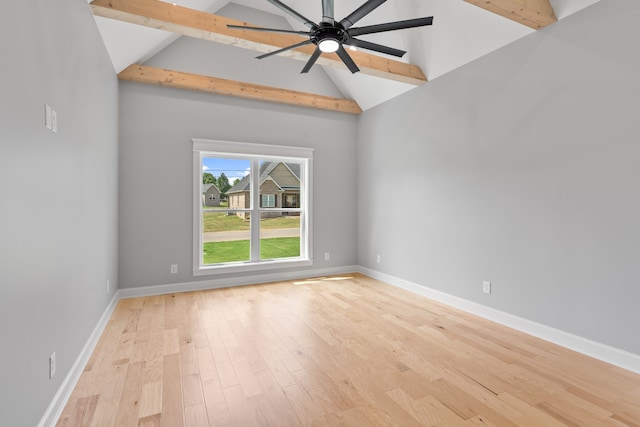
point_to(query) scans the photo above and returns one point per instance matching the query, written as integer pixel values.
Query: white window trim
(264, 151)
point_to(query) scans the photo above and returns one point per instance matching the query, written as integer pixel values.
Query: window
(268, 200)
(263, 220)
(291, 201)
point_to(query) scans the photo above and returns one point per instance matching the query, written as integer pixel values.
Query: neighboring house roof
(242, 185)
(267, 167)
(265, 172)
(206, 187)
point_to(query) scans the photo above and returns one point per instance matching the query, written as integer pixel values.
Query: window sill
(250, 266)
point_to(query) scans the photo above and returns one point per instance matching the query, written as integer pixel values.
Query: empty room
(320, 213)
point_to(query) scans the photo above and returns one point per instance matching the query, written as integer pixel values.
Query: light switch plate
(47, 115)
(54, 121)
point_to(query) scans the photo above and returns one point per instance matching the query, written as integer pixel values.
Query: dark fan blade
(312, 60)
(327, 11)
(375, 47)
(275, 52)
(390, 26)
(271, 30)
(293, 13)
(360, 13)
(347, 60)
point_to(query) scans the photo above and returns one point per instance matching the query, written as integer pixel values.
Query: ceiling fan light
(329, 45)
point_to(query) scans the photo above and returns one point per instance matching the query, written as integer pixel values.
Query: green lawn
(238, 250)
(217, 221)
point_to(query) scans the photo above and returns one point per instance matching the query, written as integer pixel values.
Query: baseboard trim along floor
(64, 392)
(596, 350)
(605, 353)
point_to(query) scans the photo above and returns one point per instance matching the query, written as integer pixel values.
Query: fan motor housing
(326, 31)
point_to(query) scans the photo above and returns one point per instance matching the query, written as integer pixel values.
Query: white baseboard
(59, 401)
(145, 291)
(603, 352)
(614, 356)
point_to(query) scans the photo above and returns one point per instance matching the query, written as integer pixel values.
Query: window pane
(268, 201)
(279, 235)
(225, 233)
(225, 237)
(280, 188)
(225, 183)
(291, 200)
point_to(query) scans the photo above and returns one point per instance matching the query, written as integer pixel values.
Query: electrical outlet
(108, 285)
(327, 256)
(378, 259)
(486, 287)
(174, 268)
(52, 365)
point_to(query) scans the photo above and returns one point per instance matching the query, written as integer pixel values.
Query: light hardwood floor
(336, 351)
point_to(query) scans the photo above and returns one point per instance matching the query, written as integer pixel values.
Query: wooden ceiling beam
(194, 23)
(535, 14)
(195, 82)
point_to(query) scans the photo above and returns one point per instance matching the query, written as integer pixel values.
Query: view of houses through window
(238, 227)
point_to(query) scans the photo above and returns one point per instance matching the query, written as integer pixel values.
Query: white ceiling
(460, 33)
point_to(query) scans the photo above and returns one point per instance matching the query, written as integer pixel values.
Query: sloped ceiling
(461, 32)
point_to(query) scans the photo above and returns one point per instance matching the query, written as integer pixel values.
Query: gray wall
(521, 169)
(58, 218)
(156, 127)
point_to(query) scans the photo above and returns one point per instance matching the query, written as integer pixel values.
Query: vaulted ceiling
(136, 31)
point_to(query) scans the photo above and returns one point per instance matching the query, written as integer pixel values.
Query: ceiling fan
(330, 35)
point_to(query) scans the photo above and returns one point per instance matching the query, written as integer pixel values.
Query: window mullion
(304, 197)
(197, 211)
(255, 210)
